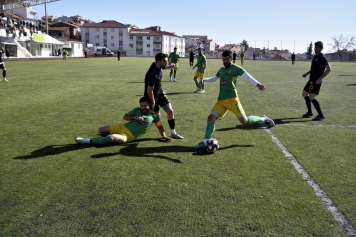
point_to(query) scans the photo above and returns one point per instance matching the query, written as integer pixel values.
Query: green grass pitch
(50, 186)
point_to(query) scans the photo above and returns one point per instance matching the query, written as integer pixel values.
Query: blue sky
(266, 22)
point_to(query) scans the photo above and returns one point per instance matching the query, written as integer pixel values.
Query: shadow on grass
(177, 93)
(346, 75)
(127, 149)
(350, 85)
(149, 152)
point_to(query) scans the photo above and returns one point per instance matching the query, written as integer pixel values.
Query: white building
(110, 34)
(150, 41)
(29, 13)
(136, 42)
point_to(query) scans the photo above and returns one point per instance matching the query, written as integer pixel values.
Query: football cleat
(200, 145)
(202, 91)
(175, 80)
(267, 122)
(197, 91)
(80, 140)
(177, 136)
(319, 117)
(307, 115)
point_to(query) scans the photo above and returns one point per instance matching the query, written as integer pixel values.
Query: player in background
(2, 65)
(228, 98)
(173, 59)
(191, 58)
(242, 57)
(200, 73)
(293, 58)
(234, 56)
(118, 55)
(64, 55)
(320, 68)
(140, 120)
(154, 92)
(254, 56)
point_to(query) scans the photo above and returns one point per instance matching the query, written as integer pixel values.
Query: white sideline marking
(319, 125)
(338, 215)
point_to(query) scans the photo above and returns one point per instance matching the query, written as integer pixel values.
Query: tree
(245, 44)
(341, 43)
(310, 51)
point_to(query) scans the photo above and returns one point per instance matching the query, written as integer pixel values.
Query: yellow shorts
(233, 104)
(122, 130)
(199, 75)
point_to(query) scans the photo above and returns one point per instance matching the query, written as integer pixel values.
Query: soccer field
(50, 186)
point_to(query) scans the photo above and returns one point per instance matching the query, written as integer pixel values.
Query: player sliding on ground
(140, 118)
(228, 98)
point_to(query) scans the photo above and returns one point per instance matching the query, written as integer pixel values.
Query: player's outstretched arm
(162, 132)
(260, 86)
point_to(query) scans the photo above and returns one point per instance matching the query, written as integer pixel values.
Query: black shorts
(312, 87)
(191, 59)
(2, 65)
(161, 101)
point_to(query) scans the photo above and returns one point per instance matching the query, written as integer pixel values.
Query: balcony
(157, 49)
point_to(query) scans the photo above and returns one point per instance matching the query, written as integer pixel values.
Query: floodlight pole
(46, 18)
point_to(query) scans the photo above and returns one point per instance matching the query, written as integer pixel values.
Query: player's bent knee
(117, 138)
(104, 129)
(212, 117)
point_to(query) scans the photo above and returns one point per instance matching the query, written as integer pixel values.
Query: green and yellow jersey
(242, 55)
(228, 81)
(173, 58)
(201, 59)
(136, 128)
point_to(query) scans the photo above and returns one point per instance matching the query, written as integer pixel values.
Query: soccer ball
(212, 145)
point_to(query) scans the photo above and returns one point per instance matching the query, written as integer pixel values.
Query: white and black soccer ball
(212, 145)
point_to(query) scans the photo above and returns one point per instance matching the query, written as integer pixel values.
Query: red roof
(108, 23)
(150, 32)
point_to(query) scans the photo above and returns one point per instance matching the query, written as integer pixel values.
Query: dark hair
(160, 56)
(199, 48)
(227, 53)
(144, 99)
(175, 47)
(320, 44)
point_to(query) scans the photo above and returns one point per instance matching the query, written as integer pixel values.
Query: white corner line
(329, 204)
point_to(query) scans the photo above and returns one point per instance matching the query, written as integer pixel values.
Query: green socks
(102, 140)
(175, 75)
(254, 120)
(170, 75)
(196, 82)
(203, 86)
(210, 128)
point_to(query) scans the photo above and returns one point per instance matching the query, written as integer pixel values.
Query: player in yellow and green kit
(242, 57)
(140, 120)
(228, 98)
(64, 54)
(173, 58)
(200, 73)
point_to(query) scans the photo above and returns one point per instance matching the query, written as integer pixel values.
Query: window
(112, 44)
(87, 30)
(131, 45)
(120, 37)
(139, 37)
(131, 37)
(120, 46)
(112, 29)
(148, 37)
(112, 37)
(97, 44)
(148, 52)
(97, 37)
(157, 38)
(120, 31)
(105, 45)
(148, 45)
(96, 29)
(87, 37)
(105, 29)
(105, 36)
